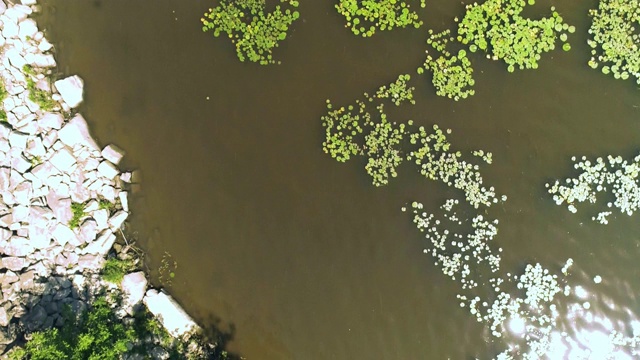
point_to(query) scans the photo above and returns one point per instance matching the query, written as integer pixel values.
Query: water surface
(299, 254)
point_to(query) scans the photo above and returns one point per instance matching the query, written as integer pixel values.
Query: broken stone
(107, 169)
(71, 90)
(51, 121)
(116, 221)
(18, 246)
(133, 286)
(63, 160)
(14, 263)
(101, 245)
(174, 319)
(112, 153)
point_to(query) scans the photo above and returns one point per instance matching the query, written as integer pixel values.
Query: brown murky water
(298, 253)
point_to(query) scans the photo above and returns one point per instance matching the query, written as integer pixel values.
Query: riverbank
(63, 202)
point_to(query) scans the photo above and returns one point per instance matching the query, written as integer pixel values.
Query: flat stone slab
(133, 286)
(174, 319)
(71, 90)
(112, 153)
(76, 131)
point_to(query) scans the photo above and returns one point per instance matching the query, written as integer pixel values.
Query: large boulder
(76, 131)
(71, 90)
(174, 319)
(133, 286)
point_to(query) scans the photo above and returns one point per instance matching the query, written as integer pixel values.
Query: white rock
(71, 90)
(45, 45)
(14, 263)
(35, 147)
(133, 286)
(18, 246)
(22, 12)
(8, 104)
(3, 7)
(101, 217)
(50, 121)
(112, 153)
(39, 233)
(91, 262)
(18, 140)
(10, 29)
(118, 219)
(124, 200)
(76, 132)
(107, 170)
(126, 177)
(22, 193)
(20, 164)
(79, 193)
(108, 192)
(20, 213)
(63, 160)
(28, 28)
(63, 235)
(44, 61)
(174, 319)
(88, 230)
(15, 59)
(29, 2)
(4, 317)
(21, 111)
(101, 245)
(4, 234)
(44, 171)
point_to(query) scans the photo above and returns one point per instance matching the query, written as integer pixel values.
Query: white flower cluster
(456, 254)
(616, 174)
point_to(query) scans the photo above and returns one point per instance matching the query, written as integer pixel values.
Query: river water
(299, 256)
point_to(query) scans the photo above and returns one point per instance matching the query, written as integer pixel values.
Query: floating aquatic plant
(436, 162)
(254, 31)
(364, 17)
(497, 27)
(452, 74)
(615, 40)
(398, 91)
(342, 127)
(456, 253)
(383, 149)
(615, 175)
(354, 131)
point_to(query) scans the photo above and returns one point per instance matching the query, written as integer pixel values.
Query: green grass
(115, 269)
(39, 96)
(96, 334)
(78, 212)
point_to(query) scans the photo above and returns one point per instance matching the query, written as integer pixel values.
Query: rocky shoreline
(63, 198)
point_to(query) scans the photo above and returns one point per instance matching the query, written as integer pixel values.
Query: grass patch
(40, 97)
(115, 269)
(78, 212)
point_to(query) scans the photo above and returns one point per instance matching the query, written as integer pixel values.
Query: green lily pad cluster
(364, 17)
(254, 31)
(615, 39)
(383, 149)
(342, 128)
(398, 91)
(497, 27)
(452, 74)
(355, 131)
